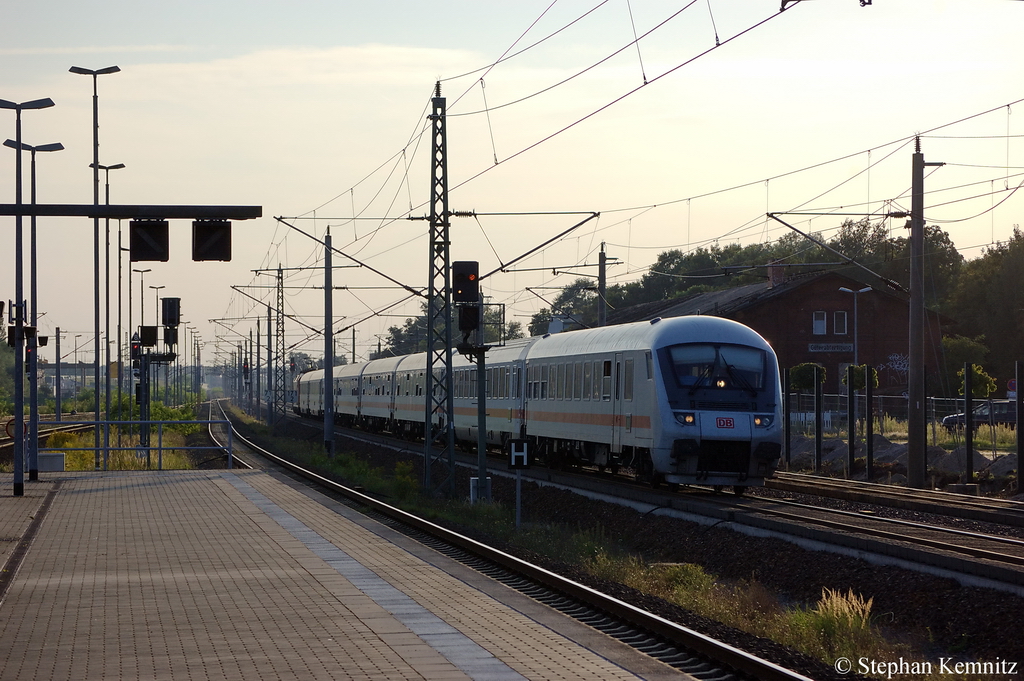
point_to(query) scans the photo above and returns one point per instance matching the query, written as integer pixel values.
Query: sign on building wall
(830, 347)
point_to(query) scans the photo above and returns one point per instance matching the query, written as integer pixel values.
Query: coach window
(560, 383)
(586, 380)
(818, 323)
(839, 323)
(627, 382)
(577, 391)
(606, 380)
(544, 374)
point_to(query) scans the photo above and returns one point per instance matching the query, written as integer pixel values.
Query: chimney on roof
(776, 274)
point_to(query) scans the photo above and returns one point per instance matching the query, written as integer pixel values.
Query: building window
(840, 323)
(818, 327)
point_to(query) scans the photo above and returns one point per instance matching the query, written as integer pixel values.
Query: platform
(247, 575)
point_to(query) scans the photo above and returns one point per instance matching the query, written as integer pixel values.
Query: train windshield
(699, 365)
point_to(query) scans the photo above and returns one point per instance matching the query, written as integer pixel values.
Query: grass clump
(79, 454)
(839, 625)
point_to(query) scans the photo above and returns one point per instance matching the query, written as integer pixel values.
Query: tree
(300, 361)
(988, 301)
(412, 337)
(578, 300)
(801, 377)
(982, 385)
(957, 351)
(858, 376)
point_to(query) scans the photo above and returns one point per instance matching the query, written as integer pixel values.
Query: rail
(724, 654)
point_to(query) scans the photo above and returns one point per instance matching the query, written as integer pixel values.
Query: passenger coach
(684, 400)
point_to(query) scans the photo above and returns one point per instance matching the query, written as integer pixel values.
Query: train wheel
(615, 469)
(717, 488)
(738, 490)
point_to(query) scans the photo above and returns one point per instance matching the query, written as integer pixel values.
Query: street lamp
(156, 313)
(33, 362)
(96, 235)
(19, 302)
(156, 298)
(142, 308)
(142, 298)
(78, 377)
(863, 290)
(106, 307)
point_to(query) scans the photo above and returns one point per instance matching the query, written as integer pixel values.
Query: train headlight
(720, 383)
(763, 420)
(686, 418)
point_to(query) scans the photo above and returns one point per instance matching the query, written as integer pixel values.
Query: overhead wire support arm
(289, 316)
(408, 288)
(888, 282)
(553, 306)
(530, 252)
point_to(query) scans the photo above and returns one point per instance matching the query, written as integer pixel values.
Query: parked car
(989, 412)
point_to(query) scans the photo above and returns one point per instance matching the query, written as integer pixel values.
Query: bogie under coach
(686, 400)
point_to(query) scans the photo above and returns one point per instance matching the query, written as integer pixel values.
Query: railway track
(982, 509)
(990, 554)
(46, 428)
(685, 649)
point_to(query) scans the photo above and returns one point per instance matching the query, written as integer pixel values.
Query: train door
(616, 398)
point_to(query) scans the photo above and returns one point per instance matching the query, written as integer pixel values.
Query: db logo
(725, 422)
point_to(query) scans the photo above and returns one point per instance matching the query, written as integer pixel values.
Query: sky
(682, 123)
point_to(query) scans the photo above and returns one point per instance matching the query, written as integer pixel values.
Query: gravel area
(938, 616)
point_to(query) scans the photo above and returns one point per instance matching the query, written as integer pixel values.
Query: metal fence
(141, 451)
(835, 412)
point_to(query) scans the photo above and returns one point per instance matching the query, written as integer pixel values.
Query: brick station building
(808, 318)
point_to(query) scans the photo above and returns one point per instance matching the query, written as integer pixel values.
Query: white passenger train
(686, 400)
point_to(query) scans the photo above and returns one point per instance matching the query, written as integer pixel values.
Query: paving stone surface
(242, 575)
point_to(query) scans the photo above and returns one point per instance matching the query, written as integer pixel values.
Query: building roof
(724, 302)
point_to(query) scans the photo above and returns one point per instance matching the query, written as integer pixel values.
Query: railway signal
(148, 240)
(171, 311)
(465, 281)
(211, 240)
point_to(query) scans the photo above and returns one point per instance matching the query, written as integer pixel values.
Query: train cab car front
(724, 399)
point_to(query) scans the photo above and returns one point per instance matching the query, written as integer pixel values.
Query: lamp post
(33, 343)
(156, 314)
(142, 298)
(106, 307)
(96, 236)
(156, 298)
(142, 309)
(856, 357)
(78, 378)
(19, 300)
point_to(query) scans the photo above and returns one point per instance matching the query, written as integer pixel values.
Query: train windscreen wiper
(706, 373)
(739, 378)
